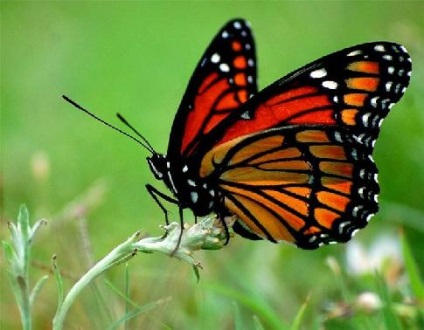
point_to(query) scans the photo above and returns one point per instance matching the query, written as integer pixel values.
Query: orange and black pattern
(307, 185)
(297, 165)
(354, 87)
(294, 161)
(224, 79)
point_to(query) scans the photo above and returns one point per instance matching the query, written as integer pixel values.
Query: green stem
(118, 253)
(207, 234)
(25, 304)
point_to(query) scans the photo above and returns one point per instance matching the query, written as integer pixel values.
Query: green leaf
(299, 316)
(257, 325)
(23, 221)
(412, 269)
(10, 257)
(390, 319)
(121, 294)
(37, 288)
(22, 243)
(9, 254)
(134, 313)
(59, 282)
(257, 305)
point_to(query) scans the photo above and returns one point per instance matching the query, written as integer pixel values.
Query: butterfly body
(294, 161)
(190, 190)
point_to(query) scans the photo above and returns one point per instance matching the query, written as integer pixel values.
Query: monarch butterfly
(292, 162)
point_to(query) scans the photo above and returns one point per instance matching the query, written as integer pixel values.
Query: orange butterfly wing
(295, 164)
(223, 80)
(309, 186)
(354, 88)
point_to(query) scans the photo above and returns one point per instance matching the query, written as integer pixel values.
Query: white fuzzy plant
(208, 234)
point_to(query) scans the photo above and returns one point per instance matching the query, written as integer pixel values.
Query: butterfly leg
(221, 217)
(156, 195)
(181, 231)
(221, 213)
(227, 232)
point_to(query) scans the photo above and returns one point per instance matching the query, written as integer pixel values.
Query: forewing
(353, 88)
(223, 80)
(306, 185)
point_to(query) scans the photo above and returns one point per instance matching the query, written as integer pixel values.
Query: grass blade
(417, 286)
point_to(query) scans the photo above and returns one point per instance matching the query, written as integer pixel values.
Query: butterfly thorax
(190, 190)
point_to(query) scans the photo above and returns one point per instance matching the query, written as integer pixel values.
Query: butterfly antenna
(121, 118)
(143, 142)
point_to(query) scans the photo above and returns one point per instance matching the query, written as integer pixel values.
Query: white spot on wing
(374, 101)
(318, 73)
(237, 25)
(215, 58)
(342, 225)
(329, 84)
(224, 67)
(365, 118)
(194, 197)
(356, 210)
(245, 115)
(354, 52)
(376, 177)
(379, 48)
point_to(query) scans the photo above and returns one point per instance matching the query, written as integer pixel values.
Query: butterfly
(293, 162)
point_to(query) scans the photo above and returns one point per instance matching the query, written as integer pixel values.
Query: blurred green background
(136, 58)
